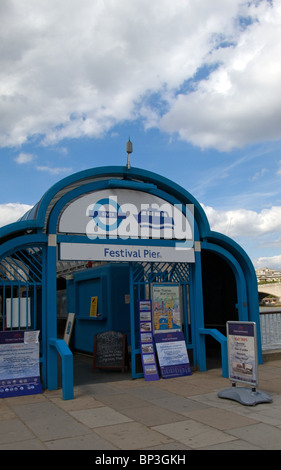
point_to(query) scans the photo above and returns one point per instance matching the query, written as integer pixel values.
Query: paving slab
(87, 442)
(132, 436)
(48, 422)
(193, 434)
(102, 416)
(178, 404)
(124, 401)
(14, 430)
(262, 435)
(218, 418)
(30, 444)
(152, 415)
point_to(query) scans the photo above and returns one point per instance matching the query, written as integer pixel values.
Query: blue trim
(154, 182)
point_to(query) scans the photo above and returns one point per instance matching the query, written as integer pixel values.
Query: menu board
(110, 350)
(19, 363)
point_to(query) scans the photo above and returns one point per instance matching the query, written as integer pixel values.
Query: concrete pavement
(114, 412)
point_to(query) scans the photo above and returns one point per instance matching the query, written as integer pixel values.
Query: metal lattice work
(161, 272)
(23, 266)
(20, 280)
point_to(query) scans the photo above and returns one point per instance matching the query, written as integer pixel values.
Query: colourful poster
(146, 341)
(19, 363)
(172, 354)
(166, 307)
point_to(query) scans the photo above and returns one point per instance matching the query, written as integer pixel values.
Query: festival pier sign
(19, 363)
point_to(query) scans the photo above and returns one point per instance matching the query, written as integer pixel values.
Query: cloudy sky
(195, 84)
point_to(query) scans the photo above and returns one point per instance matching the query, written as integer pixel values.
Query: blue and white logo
(107, 219)
(155, 218)
(144, 220)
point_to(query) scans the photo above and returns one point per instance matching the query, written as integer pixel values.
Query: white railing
(270, 323)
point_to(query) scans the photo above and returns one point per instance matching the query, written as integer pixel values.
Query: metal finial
(129, 149)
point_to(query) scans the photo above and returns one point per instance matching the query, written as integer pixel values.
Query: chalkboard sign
(110, 351)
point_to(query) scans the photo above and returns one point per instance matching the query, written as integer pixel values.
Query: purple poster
(148, 358)
(19, 363)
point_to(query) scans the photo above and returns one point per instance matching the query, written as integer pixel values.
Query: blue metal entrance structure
(31, 249)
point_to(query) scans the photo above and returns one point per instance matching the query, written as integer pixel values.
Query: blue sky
(194, 84)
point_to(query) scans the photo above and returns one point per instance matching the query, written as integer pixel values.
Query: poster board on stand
(19, 363)
(172, 354)
(242, 352)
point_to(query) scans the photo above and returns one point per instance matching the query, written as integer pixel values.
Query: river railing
(270, 324)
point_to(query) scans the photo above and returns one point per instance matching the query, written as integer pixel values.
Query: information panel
(172, 354)
(166, 307)
(146, 341)
(19, 363)
(242, 352)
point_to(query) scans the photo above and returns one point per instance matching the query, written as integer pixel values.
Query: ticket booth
(115, 235)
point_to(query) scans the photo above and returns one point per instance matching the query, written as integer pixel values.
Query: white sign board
(242, 352)
(123, 213)
(103, 252)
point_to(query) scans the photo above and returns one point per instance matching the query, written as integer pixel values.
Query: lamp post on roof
(129, 149)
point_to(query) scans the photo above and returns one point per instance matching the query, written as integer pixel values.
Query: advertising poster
(19, 363)
(146, 341)
(242, 352)
(172, 354)
(166, 307)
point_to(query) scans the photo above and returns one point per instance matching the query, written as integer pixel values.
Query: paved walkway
(123, 414)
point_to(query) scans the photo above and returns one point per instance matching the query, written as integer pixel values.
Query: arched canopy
(40, 223)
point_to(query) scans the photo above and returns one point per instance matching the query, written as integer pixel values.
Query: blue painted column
(51, 312)
(198, 311)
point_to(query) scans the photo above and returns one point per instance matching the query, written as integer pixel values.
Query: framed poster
(19, 363)
(242, 352)
(166, 307)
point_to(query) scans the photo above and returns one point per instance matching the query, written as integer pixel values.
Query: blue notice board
(172, 354)
(19, 363)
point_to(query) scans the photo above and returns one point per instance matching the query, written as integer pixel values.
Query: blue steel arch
(40, 222)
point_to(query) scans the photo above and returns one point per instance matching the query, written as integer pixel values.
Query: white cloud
(245, 223)
(54, 170)
(11, 212)
(24, 158)
(271, 262)
(240, 102)
(75, 68)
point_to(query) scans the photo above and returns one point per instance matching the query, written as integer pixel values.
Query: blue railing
(223, 342)
(67, 367)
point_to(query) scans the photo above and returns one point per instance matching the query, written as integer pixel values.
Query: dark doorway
(220, 299)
